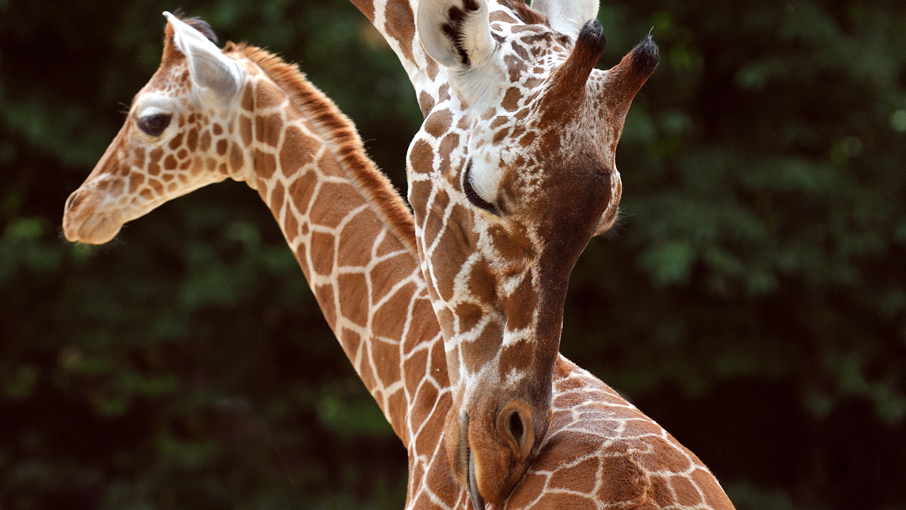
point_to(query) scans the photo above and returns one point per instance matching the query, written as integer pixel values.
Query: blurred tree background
(753, 299)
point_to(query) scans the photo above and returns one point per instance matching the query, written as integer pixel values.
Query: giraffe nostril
(74, 199)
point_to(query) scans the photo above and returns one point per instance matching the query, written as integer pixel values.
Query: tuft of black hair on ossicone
(591, 38)
(645, 57)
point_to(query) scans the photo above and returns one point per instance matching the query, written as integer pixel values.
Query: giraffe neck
(350, 232)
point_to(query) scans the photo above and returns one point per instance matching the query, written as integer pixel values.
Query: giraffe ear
(456, 33)
(211, 70)
(567, 16)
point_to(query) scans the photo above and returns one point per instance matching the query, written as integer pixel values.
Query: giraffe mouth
(82, 224)
(477, 500)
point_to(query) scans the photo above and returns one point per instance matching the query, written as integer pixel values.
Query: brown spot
(222, 146)
(388, 319)
(357, 238)
(425, 400)
(422, 330)
(469, 315)
(176, 142)
(170, 162)
(578, 478)
(206, 141)
(419, 192)
(297, 151)
(322, 253)
(516, 357)
(453, 249)
(511, 99)
(565, 500)
(135, 180)
(512, 246)
(403, 26)
(156, 186)
(686, 492)
(265, 164)
(434, 222)
(301, 191)
(445, 317)
(218, 129)
(389, 245)
(182, 154)
(267, 95)
(481, 283)
(476, 354)
(351, 341)
(500, 135)
(245, 130)
(276, 198)
(439, 123)
(248, 100)
(268, 128)
(117, 187)
(625, 481)
(426, 103)
(290, 223)
(521, 305)
(664, 455)
(192, 140)
(421, 157)
(387, 361)
(353, 291)
(334, 203)
(447, 145)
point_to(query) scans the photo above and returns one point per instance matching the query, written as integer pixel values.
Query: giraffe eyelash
(473, 195)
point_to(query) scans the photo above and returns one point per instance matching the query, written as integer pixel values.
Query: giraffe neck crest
(342, 138)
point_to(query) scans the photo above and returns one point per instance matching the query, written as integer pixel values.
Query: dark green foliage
(753, 300)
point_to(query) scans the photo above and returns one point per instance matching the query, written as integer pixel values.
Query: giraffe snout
(83, 223)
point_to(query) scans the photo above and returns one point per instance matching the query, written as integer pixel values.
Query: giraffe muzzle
(83, 223)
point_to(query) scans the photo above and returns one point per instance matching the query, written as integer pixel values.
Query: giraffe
(326, 194)
(242, 113)
(510, 176)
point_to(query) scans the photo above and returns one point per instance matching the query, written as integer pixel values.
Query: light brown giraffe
(330, 201)
(510, 176)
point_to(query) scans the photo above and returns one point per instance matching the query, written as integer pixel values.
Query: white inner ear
(474, 37)
(567, 16)
(208, 66)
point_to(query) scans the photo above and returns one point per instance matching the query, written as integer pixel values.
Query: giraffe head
(176, 137)
(510, 176)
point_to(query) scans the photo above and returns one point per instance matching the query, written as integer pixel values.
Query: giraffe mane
(344, 139)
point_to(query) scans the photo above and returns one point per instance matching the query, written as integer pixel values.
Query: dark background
(753, 300)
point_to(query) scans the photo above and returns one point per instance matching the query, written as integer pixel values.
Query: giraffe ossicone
(510, 176)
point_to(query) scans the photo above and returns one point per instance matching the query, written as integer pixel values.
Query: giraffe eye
(155, 124)
(473, 195)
